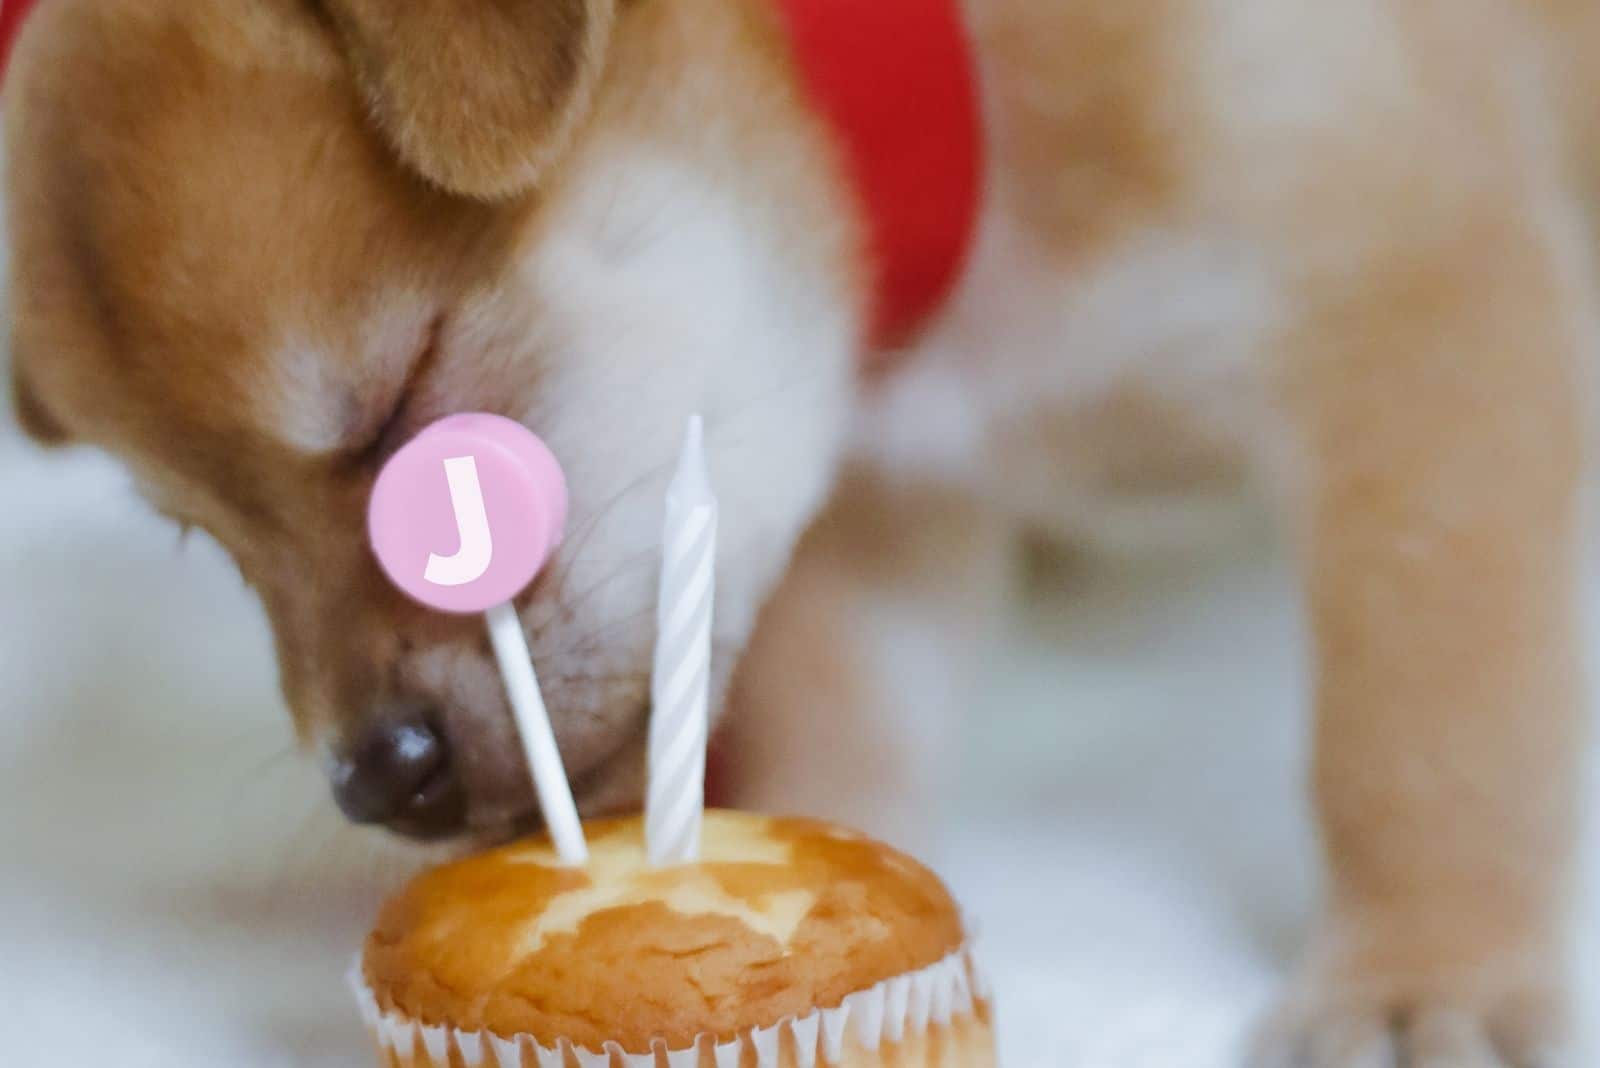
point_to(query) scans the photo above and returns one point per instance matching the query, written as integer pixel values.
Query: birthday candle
(679, 688)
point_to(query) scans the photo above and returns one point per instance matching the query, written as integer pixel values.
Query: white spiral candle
(679, 689)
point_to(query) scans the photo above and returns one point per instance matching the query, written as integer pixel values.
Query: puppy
(1340, 251)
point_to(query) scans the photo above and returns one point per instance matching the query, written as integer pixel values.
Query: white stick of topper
(679, 688)
(488, 486)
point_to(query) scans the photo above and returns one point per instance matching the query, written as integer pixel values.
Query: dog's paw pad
(1330, 1033)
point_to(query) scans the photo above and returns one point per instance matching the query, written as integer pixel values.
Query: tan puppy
(1341, 247)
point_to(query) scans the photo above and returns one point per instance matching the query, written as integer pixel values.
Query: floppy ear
(35, 420)
(477, 95)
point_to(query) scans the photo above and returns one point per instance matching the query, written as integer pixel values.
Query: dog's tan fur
(1342, 247)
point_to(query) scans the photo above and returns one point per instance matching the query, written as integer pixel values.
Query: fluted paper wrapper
(936, 1017)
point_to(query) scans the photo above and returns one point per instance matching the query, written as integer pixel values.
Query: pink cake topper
(462, 518)
(465, 514)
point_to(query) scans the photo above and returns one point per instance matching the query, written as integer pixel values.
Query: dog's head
(257, 244)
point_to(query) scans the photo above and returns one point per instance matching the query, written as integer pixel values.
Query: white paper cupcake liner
(904, 1007)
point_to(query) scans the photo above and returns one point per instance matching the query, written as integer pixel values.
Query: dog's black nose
(399, 773)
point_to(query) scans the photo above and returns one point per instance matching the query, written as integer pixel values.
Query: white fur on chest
(665, 295)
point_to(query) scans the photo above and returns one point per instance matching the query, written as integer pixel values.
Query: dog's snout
(398, 772)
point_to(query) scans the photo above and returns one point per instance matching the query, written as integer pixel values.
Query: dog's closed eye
(394, 426)
(350, 410)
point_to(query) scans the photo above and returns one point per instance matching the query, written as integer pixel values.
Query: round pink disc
(466, 513)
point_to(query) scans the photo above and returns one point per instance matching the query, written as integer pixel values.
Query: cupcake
(791, 943)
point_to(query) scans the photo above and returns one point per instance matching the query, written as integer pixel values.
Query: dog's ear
(477, 95)
(34, 418)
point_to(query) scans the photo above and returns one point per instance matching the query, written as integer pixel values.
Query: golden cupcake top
(778, 918)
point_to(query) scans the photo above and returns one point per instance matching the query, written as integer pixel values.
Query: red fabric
(11, 13)
(896, 79)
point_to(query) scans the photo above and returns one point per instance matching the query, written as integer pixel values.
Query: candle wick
(692, 480)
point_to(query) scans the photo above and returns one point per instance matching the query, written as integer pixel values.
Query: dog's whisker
(622, 570)
(577, 644)
(598, 678)
(579, 541)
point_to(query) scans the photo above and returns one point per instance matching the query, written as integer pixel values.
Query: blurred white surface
(173, 881)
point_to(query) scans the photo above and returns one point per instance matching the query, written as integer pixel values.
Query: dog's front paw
(1355, 1020)
(1336, 1031)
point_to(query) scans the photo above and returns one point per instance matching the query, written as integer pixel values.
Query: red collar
(11, 13)
(897, 81)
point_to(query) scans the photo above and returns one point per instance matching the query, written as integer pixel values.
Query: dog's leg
(1438, 404)
(847, 703)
